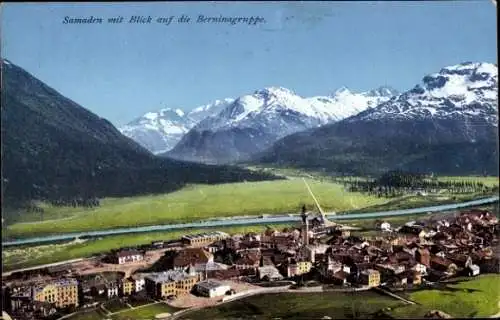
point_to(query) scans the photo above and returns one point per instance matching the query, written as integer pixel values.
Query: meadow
(476, 298)
(200, 202)
(89, 315)
(146, 313)
(487, 181)
(139, 313)
(193, 203)
(335, 305)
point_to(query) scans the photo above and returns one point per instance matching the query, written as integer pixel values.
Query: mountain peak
(179, 112)
(159, 131)
(468, 68)
(342, 91)
(383, 91)
(461, 79)
(469, 89)
(274, 91)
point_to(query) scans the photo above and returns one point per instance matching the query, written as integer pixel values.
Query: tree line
(398, 183)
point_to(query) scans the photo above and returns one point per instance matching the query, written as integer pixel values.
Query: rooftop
(369, 271)
(192, 256)
(167, 276)
(210, 266)
(206, 235)
(58, 283)
(130, 252)
(209, 284)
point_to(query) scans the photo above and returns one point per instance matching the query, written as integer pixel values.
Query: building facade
(203, 239)
(170, 283)
(370, 277)
(127, 286)
(127, 256)
(61, 293)
(211, 288)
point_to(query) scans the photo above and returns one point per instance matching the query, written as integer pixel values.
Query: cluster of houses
(402, 257)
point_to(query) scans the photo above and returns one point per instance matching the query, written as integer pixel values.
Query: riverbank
(203, 203)
(191, 204)
(29, 256)
(283, 218)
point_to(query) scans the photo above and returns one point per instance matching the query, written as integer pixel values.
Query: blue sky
(122, 71)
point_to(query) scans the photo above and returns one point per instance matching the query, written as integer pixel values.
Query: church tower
(305, 226)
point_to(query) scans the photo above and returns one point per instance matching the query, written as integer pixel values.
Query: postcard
(250, 160)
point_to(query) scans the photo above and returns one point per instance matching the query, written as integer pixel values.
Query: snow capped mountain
(447, 124)
(464, 90)
(261, 108)
(255, 121)
(269, 105)
(346, 103)
(160, 131)
(202, 112)
(275, 110)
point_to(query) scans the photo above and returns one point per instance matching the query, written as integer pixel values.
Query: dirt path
(395, 296)
(132, 308)
(91, 265)
(5, 274)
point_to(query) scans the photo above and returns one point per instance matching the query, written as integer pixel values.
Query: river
(283, 218)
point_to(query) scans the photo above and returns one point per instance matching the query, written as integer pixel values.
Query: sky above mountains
(121, 71)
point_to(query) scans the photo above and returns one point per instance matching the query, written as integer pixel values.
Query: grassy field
(89, 315)
(488, 181)
(115, 305)
(144, 313)
(141, 313)
(29, 256)
(199, 202)
(193, 203)
(413, 201)
(473, 298)
(299, 306)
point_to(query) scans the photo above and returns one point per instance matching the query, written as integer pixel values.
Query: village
(203, 269)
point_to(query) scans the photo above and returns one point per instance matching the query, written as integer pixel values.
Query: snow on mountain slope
(254, 122)
(160, 131)
(273, 104)
(202, 112)
(278, 109)
(464, 90)
(346, 103)
(447, 125)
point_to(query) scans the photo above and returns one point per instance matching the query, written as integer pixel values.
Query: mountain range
(447, 124)
(252, 123)
(161, 130)
(53, 148)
